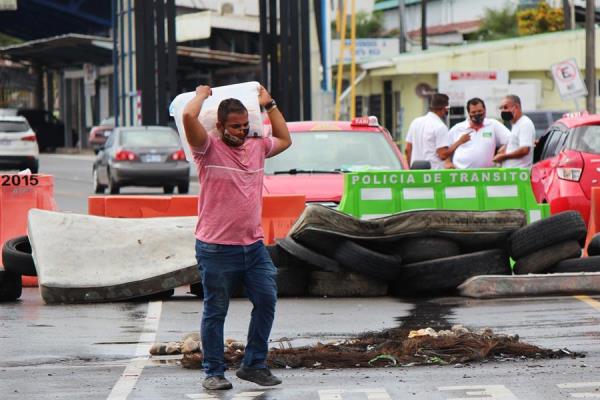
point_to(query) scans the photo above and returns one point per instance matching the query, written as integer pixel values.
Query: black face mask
(234, 141)
(477, 118)
(506, 115)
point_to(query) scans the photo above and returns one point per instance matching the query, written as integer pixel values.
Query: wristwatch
(269, 106)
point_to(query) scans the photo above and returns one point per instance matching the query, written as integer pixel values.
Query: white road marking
(337, 394)
(132, 372)
(201, 396)
(498, 392)
(582, 385)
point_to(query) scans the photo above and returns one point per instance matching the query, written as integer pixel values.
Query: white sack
(246, 92)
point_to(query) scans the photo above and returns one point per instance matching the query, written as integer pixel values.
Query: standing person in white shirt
(485, 137)
(519, 150)
(427, 137)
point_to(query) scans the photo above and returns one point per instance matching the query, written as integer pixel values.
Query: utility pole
(402, 33)
(567, 14)
(590, 54)
(424, 24)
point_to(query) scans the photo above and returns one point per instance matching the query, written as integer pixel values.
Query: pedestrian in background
(477, 138)
(427, 137)
(229, 236)
(518, 152)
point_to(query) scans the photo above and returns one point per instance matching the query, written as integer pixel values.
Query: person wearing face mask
(229, 236)
(427, 137)
(485, 137)
(518, 153)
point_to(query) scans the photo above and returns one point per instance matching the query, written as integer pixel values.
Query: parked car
(99, 133)
(18, 145)
(323, 151)
(566, 163)
(50, 131)
(141, 156)
(542, 119)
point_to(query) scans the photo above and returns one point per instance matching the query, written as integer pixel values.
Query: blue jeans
(221, 266)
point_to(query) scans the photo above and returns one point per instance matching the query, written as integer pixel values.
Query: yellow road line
(589, 301)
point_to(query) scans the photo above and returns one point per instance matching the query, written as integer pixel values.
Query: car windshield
(149, 138)
(586, 139)
(334, 152)
(13, 126)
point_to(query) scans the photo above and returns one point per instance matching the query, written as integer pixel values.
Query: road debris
(395, 347)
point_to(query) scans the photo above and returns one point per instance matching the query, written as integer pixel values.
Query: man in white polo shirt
(519, 150)
(427, 137)
(485, 137)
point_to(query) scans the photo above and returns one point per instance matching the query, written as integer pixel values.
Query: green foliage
(541, 19)
(368, 25)
(498, 24)
(6, 40)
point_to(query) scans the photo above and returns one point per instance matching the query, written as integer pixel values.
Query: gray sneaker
(260, 376)
(216, 383)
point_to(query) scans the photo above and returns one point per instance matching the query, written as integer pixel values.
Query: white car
(18, 145)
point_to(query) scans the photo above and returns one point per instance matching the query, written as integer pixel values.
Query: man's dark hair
(474, 101)
(514, 99)
(438, 101)
(230, 106)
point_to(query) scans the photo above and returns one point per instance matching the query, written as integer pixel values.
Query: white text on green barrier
(375, 194)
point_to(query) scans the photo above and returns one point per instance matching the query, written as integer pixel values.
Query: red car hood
(316, 187)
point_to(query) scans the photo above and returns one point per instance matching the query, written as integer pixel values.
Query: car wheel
(183, 188)
(34, 167)
(168, 189)
(113, 187)
(98, 188)
(17, 258)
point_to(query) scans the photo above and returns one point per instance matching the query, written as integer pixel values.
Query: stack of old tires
(554, 245)
(412, 253)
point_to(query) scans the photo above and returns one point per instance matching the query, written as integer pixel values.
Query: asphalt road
(73, 181)
(100, 351)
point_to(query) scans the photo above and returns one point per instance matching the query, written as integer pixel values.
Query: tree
(498, 24)
(541, 19)
(367, 25)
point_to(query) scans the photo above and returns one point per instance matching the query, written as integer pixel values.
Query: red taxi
(323, 150)
(567, 163)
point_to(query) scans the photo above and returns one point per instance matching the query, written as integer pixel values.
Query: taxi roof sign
(575, 114)
(365, 121)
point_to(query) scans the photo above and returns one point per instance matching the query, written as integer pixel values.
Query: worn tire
(17, 258)
(368, 262)
(10, 286)
(544, 259)
(292, 282)
(447, 273)
(331, 284)
(583, 264)
(309, 256)
(413, 250)
(555, 229)
(593, 248)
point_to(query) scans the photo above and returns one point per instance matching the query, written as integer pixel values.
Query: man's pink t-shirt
(230, 199)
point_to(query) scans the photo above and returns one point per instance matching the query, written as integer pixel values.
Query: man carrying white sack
(229, 236)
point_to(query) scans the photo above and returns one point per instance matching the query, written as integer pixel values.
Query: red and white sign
(474, 76)
(568, 79)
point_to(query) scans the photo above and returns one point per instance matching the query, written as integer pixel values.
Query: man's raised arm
(195, 133)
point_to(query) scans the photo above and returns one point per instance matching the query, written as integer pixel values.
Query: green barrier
(370, 195)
